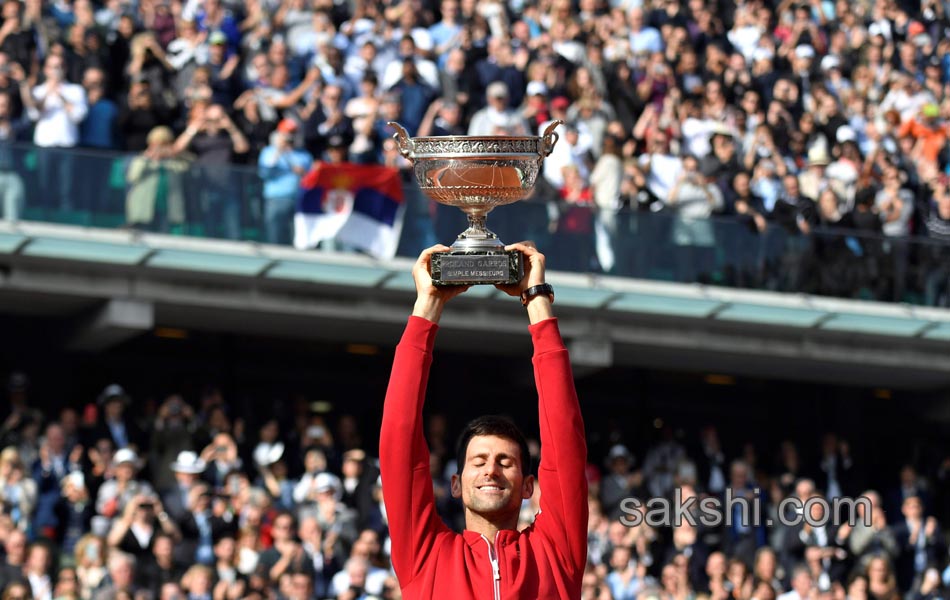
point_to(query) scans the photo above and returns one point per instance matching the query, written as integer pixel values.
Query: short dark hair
(493, 425)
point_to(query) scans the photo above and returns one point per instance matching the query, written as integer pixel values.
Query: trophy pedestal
(476, 266)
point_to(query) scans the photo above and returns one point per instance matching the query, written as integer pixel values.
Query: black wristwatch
(537, 290)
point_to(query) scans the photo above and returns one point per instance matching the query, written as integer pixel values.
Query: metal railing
(178, 197)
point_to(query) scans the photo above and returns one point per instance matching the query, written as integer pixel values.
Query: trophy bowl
(476, 174)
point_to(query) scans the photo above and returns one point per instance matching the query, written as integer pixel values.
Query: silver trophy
(476, 174)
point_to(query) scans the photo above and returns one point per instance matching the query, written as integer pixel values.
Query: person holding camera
(215, 141)
(143, 517)
(221, 457)
(281, 166)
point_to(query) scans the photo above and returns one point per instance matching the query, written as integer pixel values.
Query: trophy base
(477, 267)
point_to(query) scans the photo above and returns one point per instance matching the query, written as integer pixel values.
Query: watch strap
(537, 290)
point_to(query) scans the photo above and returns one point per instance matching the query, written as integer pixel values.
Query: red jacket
(431, 561)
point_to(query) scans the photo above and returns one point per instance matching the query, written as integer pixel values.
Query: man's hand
(533, 269)
(430, 299)
(539, 307)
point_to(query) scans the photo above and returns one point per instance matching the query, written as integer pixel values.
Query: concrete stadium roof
(117, 284)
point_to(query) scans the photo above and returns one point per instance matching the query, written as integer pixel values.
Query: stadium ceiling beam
(110, 324)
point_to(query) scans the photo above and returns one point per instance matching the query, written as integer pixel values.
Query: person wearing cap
(281, 166)
(223, 65)
(187, 469)
(214, 17)
(812, 180)
(619, 482)
(929, 131)
(121, 485)
(113, 423)
(491, 557)
(497, 118)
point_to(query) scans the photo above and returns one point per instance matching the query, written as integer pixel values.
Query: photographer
(171, 453)
(140, 116)
(221, 456)
(215, 141)
(281, 166)
(141, 520)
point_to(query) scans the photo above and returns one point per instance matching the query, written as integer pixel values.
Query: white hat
(188, 462)
(326, 482)
(762, 53)
(804, 51)
(619, 451)
(497, 89)
(830, 62)
(74, 478)
(267, 454)
(537, 88)
(126, 455)
(845, 134)
(818, 156)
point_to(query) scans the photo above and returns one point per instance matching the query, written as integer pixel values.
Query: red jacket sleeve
(561, 475)
(404, 456)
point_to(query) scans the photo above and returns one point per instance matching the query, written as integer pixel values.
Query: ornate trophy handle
(402, 138)
(550, 137)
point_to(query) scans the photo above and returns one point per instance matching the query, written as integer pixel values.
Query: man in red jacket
(491, 559)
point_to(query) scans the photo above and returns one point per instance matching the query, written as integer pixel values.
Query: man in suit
(919, 541)
(114, 423)
(819, 532)
(200, 528)
(188, 467)
(836, 469)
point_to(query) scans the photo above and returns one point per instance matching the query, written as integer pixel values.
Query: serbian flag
(357, 205)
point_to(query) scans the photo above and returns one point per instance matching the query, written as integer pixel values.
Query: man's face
(53, 68)
(492, 483)
(283, 528)
(11, 10)
(913, 508)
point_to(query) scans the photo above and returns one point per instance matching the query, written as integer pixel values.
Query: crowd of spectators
(177, 499)
(802, 116)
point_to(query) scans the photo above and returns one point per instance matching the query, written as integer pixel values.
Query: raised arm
(403, 455)
(561, 475)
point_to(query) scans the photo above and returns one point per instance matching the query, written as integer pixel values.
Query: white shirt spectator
(696, 134)
(664, 171)
(427, 70)
(58, 115)
(375, 579)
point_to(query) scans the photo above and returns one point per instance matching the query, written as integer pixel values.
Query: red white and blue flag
(357, 205)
